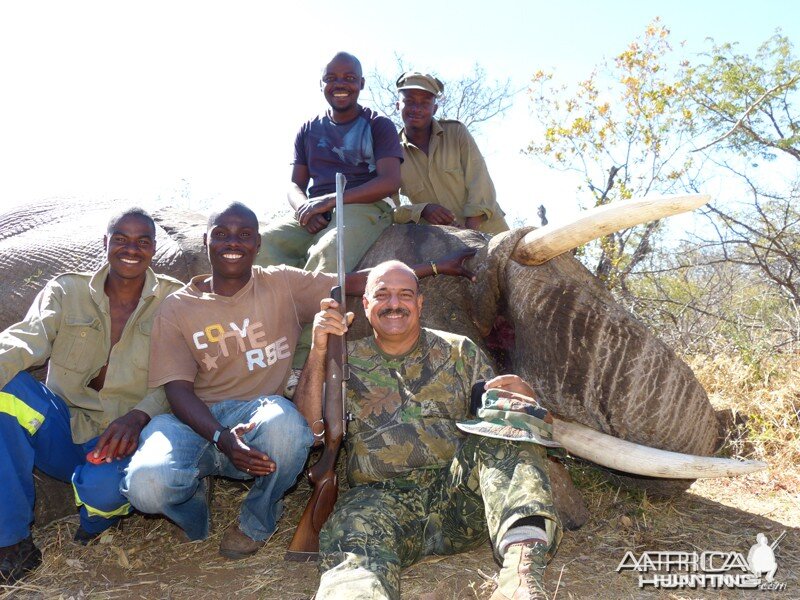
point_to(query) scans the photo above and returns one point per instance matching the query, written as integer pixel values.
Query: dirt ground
(146, 559)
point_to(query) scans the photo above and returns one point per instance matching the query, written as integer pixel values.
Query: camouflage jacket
(405, 408)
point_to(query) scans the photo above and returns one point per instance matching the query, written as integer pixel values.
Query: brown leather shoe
(236, 545)
(18, 560)
(522, 575)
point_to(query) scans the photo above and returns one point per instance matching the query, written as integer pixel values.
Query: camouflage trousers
(378, 529)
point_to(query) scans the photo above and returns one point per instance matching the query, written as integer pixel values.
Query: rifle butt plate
(295, 556)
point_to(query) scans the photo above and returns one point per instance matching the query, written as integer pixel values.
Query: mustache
(404, 312)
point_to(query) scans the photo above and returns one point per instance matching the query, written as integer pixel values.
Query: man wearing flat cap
(443, 173)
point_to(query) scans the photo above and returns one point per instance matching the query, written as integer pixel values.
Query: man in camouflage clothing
(418, 485)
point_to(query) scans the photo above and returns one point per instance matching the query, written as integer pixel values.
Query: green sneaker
(522, 575)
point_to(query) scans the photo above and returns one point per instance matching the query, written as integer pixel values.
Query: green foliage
(702, 303)
(633, 128)
(749, 99)
(625, 129)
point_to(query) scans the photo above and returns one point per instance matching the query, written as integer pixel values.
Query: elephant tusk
(540, 245)
(621, 455)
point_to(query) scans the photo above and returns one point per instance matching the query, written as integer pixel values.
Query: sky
(198, 102)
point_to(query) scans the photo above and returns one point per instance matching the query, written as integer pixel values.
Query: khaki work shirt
(452, 174)
(69, 322)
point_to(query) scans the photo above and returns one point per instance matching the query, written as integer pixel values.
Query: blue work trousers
(35, 432)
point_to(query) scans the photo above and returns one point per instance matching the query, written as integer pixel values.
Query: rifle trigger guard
(321, 434)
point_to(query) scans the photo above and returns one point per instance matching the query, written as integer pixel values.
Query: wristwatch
(217, 434)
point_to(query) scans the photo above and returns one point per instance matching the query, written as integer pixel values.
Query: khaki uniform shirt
(405, 407)
(70, 323)
(452, 174)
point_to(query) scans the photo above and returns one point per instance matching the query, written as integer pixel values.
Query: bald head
(378, 271)
(236, 208)
(393, 305)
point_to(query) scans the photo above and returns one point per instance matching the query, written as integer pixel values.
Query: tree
(625, 130)
(470, 98)
(749, 101)
(642, 125)
(701, 302)
(748, 105)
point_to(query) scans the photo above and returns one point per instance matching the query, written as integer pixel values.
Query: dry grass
(763, 400)
(146, 559)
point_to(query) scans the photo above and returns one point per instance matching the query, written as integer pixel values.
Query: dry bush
(763, 397)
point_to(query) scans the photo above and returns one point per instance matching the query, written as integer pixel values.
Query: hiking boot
(522, 575)
(84, 538)
(18, 560)
(291, 383)
(236, 545)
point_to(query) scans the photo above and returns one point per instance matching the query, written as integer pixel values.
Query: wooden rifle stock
(322, 475)
(305, 543)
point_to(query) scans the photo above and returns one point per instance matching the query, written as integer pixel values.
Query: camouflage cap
(510, 419)
(414, 80)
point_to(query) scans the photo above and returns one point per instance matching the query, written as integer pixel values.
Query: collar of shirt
(436, 130)
(415, 353)
(98, 280)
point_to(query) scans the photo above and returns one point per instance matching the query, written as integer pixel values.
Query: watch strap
(217, 434)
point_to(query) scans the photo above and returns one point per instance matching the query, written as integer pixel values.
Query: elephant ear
(490, 289)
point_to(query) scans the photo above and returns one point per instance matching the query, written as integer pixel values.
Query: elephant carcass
(588, 359)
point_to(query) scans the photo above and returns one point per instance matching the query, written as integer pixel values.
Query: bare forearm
(190, 409)
(373, 190)
(296, 196)
(308, 396)
(366, 193)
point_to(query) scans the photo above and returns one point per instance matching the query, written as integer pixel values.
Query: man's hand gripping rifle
(322, 475)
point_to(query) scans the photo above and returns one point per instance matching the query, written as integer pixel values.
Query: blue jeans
(35, 431)
(164, 475)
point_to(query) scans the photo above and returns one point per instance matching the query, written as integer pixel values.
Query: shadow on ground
(147, 560)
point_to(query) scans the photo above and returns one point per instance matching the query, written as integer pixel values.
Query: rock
(567, 499)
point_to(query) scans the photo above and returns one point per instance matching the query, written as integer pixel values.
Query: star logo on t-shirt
(210, 361)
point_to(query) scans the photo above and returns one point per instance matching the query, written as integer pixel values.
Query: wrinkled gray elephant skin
(40, 241)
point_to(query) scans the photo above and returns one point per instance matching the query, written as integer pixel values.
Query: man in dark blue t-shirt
(349, 139)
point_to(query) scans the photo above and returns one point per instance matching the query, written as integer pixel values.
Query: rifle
(322, 475)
